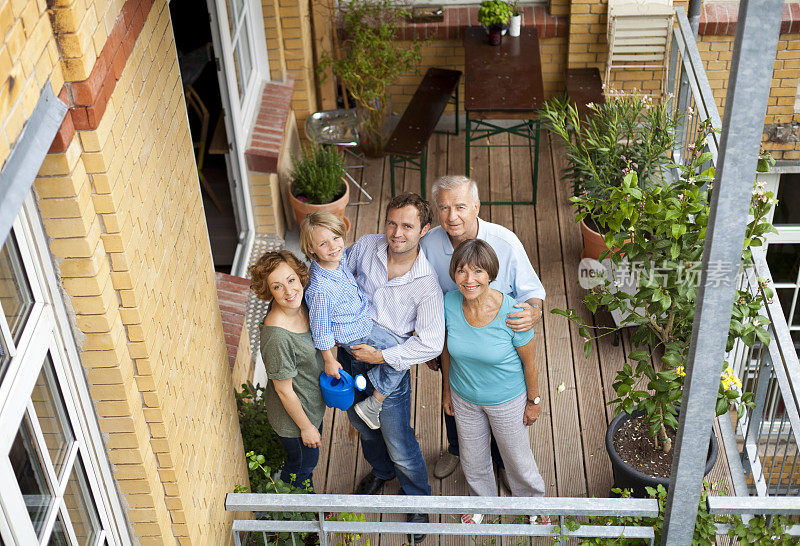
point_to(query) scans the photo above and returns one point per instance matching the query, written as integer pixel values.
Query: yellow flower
(680, 371)
(729, 379)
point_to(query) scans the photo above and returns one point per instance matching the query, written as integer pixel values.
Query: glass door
(237, 29)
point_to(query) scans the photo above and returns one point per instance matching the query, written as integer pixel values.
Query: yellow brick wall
(122, 207)
(717, 52)
(244, 364)
(28, 59)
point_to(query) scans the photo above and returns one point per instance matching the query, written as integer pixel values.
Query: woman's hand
(531, 414)
(447, 403)
(311, 437)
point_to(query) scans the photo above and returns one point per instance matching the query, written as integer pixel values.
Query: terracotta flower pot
(302, 209)
(593, 242)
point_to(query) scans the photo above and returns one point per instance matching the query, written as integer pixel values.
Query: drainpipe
(754, 51)
(695, 9)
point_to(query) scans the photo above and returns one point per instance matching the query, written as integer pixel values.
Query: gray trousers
(475, 425)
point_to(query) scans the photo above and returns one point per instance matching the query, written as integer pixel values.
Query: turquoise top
(485, 368)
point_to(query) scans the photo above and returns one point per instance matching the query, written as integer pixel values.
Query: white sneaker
(369, 410)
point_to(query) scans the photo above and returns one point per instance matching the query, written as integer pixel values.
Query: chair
(338, 128)
(200, 110)
(638, 35)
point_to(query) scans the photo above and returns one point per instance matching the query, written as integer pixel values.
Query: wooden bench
(584, 87)
(407, 145)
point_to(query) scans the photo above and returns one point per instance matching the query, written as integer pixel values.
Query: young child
(339, 313)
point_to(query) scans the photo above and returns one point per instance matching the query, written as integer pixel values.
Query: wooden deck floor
(568, 440)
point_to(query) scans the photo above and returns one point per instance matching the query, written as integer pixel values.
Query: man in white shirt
(406, 298)
(457, 203)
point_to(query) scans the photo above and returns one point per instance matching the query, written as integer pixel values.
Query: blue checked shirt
(337, 310)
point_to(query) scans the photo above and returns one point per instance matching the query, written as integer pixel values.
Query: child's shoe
(369, 410)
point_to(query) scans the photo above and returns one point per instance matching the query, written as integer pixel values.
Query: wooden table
(501, 83)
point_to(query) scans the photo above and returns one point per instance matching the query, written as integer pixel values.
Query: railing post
(754, 51)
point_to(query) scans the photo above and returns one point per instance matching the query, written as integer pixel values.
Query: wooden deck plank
(570, 475)
(587, 371)
(524, 226)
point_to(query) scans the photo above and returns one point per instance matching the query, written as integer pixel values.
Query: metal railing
(439, 505)
(763, 450)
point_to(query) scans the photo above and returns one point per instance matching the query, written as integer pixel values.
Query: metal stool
(338, 128)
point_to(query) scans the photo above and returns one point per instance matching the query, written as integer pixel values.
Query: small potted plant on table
(317, 183)
(494, 16)
(515, 23)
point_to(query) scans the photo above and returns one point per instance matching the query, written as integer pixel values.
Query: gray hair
(450, 182)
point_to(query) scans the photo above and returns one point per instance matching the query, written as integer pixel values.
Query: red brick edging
(265, 143)
(88, 99)
(457, 19)
(719, 19)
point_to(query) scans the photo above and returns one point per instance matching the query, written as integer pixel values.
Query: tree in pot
(317, 183)
(373, 57)
(624, 135)
(660, 232)
(494, 16)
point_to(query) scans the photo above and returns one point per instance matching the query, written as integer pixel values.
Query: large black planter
(627, 477)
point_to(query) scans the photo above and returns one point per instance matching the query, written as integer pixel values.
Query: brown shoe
(446, 465)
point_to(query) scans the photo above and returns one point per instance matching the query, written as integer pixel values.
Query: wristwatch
(535, 401)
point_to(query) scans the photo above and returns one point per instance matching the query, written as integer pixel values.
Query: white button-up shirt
(516, 276)
(409, 303)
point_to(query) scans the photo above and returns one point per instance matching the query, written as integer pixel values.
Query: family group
(462, 297)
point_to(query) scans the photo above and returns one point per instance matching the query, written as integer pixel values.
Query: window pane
(30, 475)
(52, 416)
(81, 507)
(15, 292)
(784, 261)
(59, 536)
(785, 296)
(788, 195)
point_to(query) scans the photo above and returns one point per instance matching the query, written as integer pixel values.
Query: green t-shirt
(290, 355)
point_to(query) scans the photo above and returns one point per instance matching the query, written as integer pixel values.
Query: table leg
(536, 159)
(469, 136)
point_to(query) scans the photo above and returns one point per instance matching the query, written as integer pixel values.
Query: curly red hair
(269, 262)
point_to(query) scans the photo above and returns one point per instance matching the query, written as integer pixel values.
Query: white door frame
(240, 112)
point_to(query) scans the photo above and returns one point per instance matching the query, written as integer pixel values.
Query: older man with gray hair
(457, 203)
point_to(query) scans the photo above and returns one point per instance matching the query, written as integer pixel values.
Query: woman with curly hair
(294, 400)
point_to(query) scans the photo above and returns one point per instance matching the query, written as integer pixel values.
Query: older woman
(491, 384)
(294, 400)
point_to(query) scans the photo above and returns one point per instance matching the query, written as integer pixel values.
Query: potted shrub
(624, 135)
(317, 183)
(494, 16)
(660, 232)
(373, 57)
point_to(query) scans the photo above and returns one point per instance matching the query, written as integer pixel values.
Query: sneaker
(446, 465)
(369, 410)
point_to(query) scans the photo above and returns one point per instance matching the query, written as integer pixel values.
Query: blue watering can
(339, 393)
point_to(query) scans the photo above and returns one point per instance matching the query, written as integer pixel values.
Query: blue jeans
(300, 461)
(392, 450)
(383, 377)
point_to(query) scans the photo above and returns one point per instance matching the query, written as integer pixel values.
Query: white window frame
(47, 329)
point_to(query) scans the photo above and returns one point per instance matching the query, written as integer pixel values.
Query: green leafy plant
(257, 463)
(494, 13)
(658, 235)
(627, 134)
(515, 8)
(758, 530)
(257, 434)
(317, 175)
(373, 57)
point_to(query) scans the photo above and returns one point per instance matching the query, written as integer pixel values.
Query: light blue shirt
(516, 276)
(485, 368)
(337, 310)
